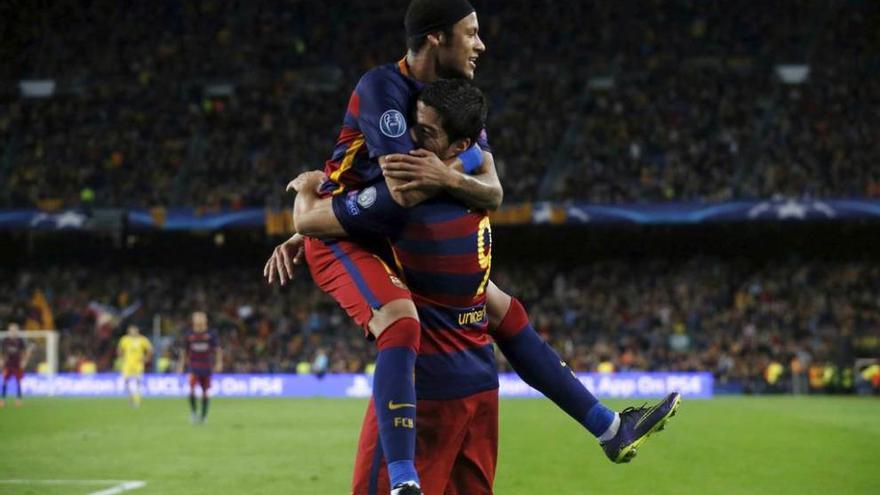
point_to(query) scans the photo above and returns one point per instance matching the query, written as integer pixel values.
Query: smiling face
(459, 49)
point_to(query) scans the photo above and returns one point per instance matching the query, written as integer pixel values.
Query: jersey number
(484, 252)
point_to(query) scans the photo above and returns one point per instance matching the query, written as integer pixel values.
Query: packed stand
(596, 101)
(734, 319)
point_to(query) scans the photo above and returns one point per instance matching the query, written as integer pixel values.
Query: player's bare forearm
(218, 367)
(399, 192)
(415, 177)
(481, 190)
(314, 217)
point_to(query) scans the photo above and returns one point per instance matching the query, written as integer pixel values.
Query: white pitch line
(122, 487)
(119, 486)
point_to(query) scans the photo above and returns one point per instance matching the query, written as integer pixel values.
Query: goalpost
(44, 350)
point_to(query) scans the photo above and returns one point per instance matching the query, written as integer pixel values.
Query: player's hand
(284, 259)
(420, 169)
(307, 180)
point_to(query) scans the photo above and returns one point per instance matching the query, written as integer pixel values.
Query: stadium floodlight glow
(44, 88)
(793, 73)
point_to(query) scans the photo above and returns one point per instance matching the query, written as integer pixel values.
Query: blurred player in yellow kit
(135, 350)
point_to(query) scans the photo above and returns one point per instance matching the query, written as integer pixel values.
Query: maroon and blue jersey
(13, 351)
(443, 251)
(376, 123)
(200, 348)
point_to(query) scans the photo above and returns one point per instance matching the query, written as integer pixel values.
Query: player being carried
(456, 378)
(443, 40)
(16, 353)
(135, 350)
(202, 356)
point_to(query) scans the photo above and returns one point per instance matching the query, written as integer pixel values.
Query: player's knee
(390, 313)
(514, 321)
(396, 325)
(498, 304)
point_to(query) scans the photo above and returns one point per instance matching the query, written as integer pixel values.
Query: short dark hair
(431, 16)
(415, 43)
(462, 107)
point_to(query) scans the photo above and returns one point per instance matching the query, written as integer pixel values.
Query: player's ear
(436, 39)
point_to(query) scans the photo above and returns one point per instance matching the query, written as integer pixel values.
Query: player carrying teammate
(443, 40)
(455, 372)
(16, 353)
(202, 356)
(136, 350)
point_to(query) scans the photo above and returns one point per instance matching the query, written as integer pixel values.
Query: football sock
(394, 397)
(539, 366)
(204, 405)
(136, 392)
(192, 401)
(18, 388)
(4, 389)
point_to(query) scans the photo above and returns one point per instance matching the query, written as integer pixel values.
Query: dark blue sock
(394, 397)
(539, 366)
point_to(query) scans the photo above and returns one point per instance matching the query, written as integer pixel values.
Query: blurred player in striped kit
(202, 356)
(15, 357)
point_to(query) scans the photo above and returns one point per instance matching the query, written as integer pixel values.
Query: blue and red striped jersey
(443, 252)
(376, 123)
(200, 350)
(13, 351)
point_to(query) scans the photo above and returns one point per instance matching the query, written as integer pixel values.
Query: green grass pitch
(722, 446)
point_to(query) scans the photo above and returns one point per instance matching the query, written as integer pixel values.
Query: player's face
(428, 133)
(133, 330)
(13, 329)
(457, 55)
(200, 322)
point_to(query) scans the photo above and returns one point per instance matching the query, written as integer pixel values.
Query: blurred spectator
(218, 104)
(763, 324)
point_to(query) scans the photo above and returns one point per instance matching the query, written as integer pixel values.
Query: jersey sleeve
(383, 105)
(369, 212)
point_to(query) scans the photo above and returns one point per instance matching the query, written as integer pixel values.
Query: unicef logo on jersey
(392, 124)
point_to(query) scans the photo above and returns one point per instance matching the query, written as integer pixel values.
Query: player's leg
(5, 381)
(473, 472)
(540, 366)
(370, 473)
(205, 384)
(136, 390)
(193, 413)
(374, 297)
(126, 379)
(441, 430)
(19, 375)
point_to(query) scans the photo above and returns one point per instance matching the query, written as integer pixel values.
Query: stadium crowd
(736, 319)
(227, 101)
